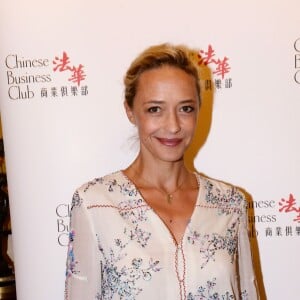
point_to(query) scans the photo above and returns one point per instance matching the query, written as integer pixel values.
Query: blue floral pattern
(209, 244)
(123, 281)
(92, 183)
(133, 210)
(71, 262)
(76, 201)
(208, 292)
(225, 201)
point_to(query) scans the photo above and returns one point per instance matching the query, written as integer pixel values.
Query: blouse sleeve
(248, 282)
(83, 264)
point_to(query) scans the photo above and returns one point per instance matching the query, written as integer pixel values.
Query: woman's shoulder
(221, 194)
(101, 189)
(102, 182)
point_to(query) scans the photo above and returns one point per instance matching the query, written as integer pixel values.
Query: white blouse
(120, 249)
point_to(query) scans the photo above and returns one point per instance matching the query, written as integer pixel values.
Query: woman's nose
(173, 122)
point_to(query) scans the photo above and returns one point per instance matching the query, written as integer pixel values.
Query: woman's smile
(169, 142)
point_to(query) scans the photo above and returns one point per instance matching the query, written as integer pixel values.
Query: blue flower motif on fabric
(125, 188)
(209, 244)
(244, 296)
(71, 262)
(112, 184)
(139, 235)
(93, 182)
(133, 210)
(76, 200)
(208, 292)
(226, 200)
(123, 281)
(128, 189)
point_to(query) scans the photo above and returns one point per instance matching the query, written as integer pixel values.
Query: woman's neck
(160, 174)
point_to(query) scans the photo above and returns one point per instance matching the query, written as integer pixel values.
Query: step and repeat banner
(61, 70)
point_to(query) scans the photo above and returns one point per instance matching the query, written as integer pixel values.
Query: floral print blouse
(120, 249)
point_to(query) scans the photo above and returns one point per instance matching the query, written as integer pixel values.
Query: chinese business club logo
(265, 218)
(297, 61)
(37, 78)
(219, 66)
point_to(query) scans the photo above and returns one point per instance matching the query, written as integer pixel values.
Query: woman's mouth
(169, 142)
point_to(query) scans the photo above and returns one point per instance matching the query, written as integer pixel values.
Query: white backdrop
(61, 130)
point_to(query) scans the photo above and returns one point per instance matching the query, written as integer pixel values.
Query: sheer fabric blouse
(120, 249)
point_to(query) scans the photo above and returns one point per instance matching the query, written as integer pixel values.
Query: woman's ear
(129, 113)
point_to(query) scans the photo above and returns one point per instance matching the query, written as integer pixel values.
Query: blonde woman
(156, 230)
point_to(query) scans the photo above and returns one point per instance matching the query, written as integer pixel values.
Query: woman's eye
(154, 109)
(187, 108)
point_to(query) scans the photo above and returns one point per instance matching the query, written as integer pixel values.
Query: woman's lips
(169, 142)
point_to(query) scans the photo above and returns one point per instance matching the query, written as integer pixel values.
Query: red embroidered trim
(235, 209)
(181, 281)
(116, 207)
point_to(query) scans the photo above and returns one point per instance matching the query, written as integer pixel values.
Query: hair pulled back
(156, 57)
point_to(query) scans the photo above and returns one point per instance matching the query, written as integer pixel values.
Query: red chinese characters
(63, 64)
(209, 57)
(289, 205)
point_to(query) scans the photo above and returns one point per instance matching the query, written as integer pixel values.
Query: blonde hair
(156, 57)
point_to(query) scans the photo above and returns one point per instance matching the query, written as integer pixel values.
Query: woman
(157, 230)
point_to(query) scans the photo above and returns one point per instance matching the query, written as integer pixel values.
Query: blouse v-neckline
(156, 215)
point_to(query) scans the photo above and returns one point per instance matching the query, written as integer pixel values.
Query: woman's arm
(248, 284)
(83, 274)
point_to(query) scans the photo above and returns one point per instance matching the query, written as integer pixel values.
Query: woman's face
(165, 111)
